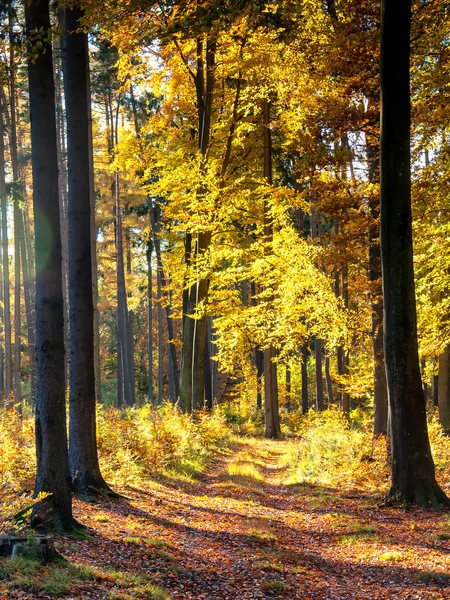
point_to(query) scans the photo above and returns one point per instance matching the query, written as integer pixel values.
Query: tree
(52, 474)
(413, 475)
(83, 454)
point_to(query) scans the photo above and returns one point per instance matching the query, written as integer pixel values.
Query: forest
(224, 299)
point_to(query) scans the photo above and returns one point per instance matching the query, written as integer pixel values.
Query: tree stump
(39, 547)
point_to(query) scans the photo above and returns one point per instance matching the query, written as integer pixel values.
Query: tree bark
(271, 405)
(192, 377)
(305, 400)
(413, 473)
(52, 473)
(150, 321)
(444, 390)
(320, 400)
(380, 396)
(18, 230)
(5, 259)
(83, 456)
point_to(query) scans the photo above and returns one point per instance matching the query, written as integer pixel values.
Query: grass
(274, 586)
(58, 580)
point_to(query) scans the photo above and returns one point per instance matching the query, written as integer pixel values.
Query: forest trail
(241, 532)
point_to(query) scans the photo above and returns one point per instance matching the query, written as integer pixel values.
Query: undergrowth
(134, 445)
(331, 450)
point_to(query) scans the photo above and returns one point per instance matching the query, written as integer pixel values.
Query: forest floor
(240, 532)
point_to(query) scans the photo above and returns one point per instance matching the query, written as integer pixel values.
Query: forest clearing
(224, 299)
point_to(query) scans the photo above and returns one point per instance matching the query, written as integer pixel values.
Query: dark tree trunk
(305, 400)
(271, 406)
(58, 66)
(328, 380)
(192, 377)
(208, 382)
(160, 343)
(380, 396)
(150, 321)
(444, 390)
(5, 259)
(258, 356)
(288, 402)
(52, 474)
(413, 474)
(18, 229)
(172, 352)
(83, 454)
(345, 355)
(320, 400)
(435, 390)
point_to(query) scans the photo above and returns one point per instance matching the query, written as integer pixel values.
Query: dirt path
(241, 533)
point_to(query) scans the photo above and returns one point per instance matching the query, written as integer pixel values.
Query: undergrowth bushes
(142, 442)
(135, 444)
(334, 451)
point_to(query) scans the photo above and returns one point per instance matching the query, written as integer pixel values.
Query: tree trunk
(413, 474)
(435, 390)
(288, 402)
(305, 400)
(271, 406)
(5, 259)
(258, 356)
(380, 396)
(444, 390)
(192, 377)
(150, 321)
(59, 67)
(52, 473)
(328, 380)
(320, 400)
(160, 343)
(345, 354)
(172, 352)
(18, 231)
(83, 456)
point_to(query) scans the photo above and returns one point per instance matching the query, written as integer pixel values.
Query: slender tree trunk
(28, 294)
(172, 352)
(83, 454)
(413, 474)
(435, 390)
(288, 400)
(320, 399)
(444, 390)
(130, 322)
(345, 357)
(376, 293)
(305, 399)
(192, 378)
(97, 360)
(5, 258)
(258, 355)
(2, 344)
(52, 473)
(160, 343)
(18, 232)
(271, 407)
(59, 68)
(328, 380)
(122, 309)
(208, 383)
(150, 321)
